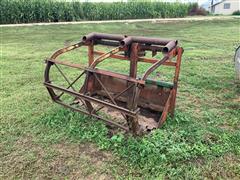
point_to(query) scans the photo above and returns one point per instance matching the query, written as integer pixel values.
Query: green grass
(41, 139)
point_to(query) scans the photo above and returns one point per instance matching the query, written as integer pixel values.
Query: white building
(225, 7)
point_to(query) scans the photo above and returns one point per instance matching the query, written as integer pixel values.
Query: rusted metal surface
(141, 103)
(127, 40)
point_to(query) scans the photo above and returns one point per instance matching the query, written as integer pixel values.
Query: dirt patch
(85, 151)
(210, 138)
(29, 160)
(146, 119)
(227, 167)
(230, 128)
(237, 100)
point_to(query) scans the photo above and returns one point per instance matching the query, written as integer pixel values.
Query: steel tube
(169, 46)
(147, 40)
(126, 40)
(106, 43)
(88, 37)
(93, 36)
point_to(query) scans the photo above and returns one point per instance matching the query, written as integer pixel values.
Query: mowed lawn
(39, 139)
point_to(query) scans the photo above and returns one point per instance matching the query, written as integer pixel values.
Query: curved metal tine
(104, 56)
(111, 98)
(66, 49)
(154, 67)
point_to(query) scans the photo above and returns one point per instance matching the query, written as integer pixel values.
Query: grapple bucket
(133, 103)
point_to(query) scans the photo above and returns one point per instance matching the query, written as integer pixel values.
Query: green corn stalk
(28, 11)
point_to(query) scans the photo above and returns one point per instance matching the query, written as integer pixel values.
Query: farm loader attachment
(133, 102)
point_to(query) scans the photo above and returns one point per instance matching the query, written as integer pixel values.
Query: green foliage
(153, 152)
(236, 13)
(27, 11)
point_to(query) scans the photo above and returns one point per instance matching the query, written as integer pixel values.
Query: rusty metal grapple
(132, 102)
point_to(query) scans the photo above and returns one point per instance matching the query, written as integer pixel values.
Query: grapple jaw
(135, 104)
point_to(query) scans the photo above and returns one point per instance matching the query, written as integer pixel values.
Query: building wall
(234, 6)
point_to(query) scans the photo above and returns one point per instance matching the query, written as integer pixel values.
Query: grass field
(41, 139)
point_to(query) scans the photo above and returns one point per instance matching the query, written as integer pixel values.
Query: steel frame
(132, 46)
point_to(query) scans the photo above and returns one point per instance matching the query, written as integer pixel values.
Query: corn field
(30, 11)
